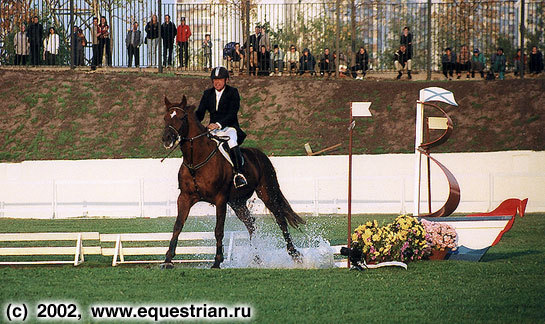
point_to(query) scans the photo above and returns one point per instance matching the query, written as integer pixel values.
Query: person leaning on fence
(252, 56)
(478, 63)
(463, 62)
(78, 41)
(263, 61)
(207, 52)
(22, 46)
(402, 62)
(152, 39)
(362, 63)
(182, 38)
(51, 47)
(104, 41)
(35, 35)
(277, 59)
(448, 61)
(307, 62)
(255, 38)
(237, 59)
(133, 40)
(292, 58)
(407, 40)
(536, 61)
(264, 40)
(327, 63)
(95, 43)
(519, 62)
(498, 63)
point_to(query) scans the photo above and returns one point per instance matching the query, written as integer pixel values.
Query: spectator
(498, 62)
(228, 50)
(182, 38)
(168, 34)
(463, 62)
(343, 64)
(264, 40)
(152, 37)
(51, 47)
(95, 42)
(78, 42)
(407, 40)
(448, 60)
(277, 60)
(22, 46)
(478, 62)
(207, 52)
(362, 63)
(536, 61)
(306, 62)
(104, 41)
(292, 58)
(519, 61)
(263, 61)
(255, 38)
(236, 59)
(35, 37)
(133, 42)
(402, 61)
(252, 56)
(327, 63)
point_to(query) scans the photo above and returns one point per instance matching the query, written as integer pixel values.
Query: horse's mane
(191, 114)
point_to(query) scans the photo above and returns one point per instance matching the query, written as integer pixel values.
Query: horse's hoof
(296, 256)
(167, 265)
(215, 266)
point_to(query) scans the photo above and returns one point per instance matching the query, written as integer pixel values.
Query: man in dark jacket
(401, 62)
(133, 40)
(35, 35)
(168, 34)
(223, 102)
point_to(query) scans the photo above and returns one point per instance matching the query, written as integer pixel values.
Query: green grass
(507, 286)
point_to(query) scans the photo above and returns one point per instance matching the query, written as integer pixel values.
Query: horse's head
(176, 122)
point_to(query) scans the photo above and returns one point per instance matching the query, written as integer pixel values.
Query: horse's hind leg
(221, 208)
(183, 211)
(243, 213)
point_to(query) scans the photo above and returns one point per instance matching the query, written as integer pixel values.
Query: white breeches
(229, 132)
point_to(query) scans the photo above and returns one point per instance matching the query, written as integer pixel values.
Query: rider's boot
(236, 156)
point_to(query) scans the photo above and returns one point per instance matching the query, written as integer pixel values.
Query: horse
(207, 176)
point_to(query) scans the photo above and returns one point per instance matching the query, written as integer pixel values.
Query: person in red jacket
(182, 38)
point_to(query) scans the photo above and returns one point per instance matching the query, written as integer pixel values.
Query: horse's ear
(167, 103)
(184, 101)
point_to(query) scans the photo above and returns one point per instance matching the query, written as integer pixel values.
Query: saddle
(221, 142)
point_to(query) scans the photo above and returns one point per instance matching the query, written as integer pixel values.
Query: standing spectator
(519, 61)
(207, 51)
(362, 63)
(95, 43)
(277, 60)
(168, 34)
(306, 62)
(478, 62)
(78, 42)
(449, 62)
(182, 37)
(536, 61)
(407, 40)
(327, 63)
(133, 40)
(498, 62)
(463, 62)
(255, 38)
(152, 38)
(402, 61)
(22, 46)
(292, 58)
(35, 36)
(263, 61)
(264, 40)
(104, 41)
(252, 56)
(51, 47)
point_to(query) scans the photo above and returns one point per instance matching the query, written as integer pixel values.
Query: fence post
(428, 64)
(247, 13)
(72, 37)
(522, 38)
(159, 20)
(338, 35)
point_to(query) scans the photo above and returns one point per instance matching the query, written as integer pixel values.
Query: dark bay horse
(205, 175)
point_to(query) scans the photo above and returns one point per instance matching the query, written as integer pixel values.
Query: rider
(223, 102)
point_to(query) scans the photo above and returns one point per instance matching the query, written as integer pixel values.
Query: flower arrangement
(440, 236)
(403, 240)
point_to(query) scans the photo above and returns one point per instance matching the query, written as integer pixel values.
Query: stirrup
(241, 180)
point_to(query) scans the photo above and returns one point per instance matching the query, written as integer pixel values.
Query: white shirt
(218, 98)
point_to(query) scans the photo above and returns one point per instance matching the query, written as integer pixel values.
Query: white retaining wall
(316, 185)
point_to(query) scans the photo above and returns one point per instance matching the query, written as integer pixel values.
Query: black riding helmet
(219, 73)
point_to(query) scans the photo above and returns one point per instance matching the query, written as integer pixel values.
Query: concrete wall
(316, 185)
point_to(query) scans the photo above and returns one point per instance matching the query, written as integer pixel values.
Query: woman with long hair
(51, 47)
(104, 41)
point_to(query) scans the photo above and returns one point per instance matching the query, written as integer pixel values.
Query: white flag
(360, 109)
(437, 94)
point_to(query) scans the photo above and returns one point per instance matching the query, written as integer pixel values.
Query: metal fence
(375, 25)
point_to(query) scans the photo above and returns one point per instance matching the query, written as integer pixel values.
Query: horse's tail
(274, 199)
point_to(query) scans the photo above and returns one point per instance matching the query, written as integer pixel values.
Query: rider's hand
(213, 126)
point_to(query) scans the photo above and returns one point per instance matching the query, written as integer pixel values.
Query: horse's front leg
(221, 208)
(184, 205)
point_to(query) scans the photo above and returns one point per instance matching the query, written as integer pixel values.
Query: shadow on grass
(488, 257)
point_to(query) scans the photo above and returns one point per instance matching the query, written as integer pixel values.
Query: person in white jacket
(22, 46)
(51, 47)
